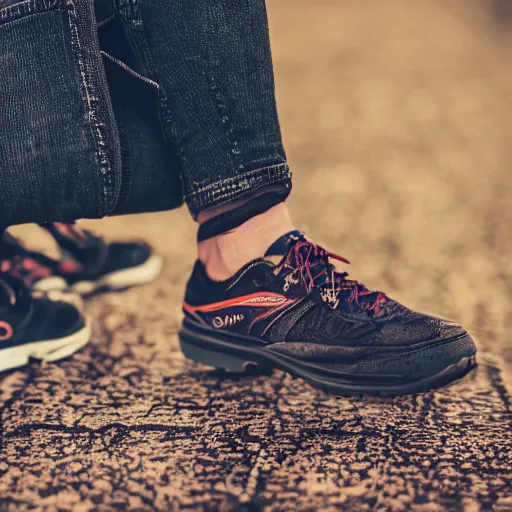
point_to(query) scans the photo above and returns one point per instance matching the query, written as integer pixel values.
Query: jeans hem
(229, 189)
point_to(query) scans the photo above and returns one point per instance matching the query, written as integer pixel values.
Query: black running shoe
(40, 328)
(303, 317)
(88, 263)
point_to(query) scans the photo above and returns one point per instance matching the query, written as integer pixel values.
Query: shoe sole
(142, 274)
(201, 345)
(49, 350)
(50, 284)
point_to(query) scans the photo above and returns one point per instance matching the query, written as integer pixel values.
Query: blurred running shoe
(87, 265)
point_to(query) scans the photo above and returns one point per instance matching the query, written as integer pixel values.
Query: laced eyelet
(309, 265)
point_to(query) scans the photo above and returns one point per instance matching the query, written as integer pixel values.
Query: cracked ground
(397, 119)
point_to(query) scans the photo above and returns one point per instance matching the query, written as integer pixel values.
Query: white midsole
(49, 284)
(50, 350)
(141, 274)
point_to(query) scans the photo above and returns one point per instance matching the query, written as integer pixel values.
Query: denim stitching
(130, 70)
(196, 204)
(92, 103)
(247, 174)
(130, 12)
(230, 188)
(238, 188)
(228, 127)
(15, 11)
(105, 21)
(92, 106)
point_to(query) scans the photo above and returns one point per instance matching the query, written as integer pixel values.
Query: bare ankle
(223, 255)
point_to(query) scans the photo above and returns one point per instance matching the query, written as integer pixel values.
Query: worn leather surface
(397, 119)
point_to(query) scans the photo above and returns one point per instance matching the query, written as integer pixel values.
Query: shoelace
(309, 264)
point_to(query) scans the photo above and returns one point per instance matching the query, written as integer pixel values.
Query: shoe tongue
(281, 246)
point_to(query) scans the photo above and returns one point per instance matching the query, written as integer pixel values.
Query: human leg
(262, 292)
(212, 63)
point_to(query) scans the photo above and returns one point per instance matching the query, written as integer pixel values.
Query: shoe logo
(5, 331)
(290, 280)
(223, 321)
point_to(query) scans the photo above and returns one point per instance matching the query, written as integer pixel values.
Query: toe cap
(420, 329)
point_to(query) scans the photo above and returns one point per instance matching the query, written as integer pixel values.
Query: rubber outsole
(121, 279)
(204, 348)
(49, 350)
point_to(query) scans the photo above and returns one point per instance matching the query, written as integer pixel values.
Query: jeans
(128, 106)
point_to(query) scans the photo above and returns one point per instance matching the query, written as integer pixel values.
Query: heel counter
(194, 286)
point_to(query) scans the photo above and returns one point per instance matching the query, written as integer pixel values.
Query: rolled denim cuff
(231, 189)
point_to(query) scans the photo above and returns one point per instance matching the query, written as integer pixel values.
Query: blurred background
(397, 119)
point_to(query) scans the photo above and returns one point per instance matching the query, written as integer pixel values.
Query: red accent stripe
(7, 331)
(238, 301)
